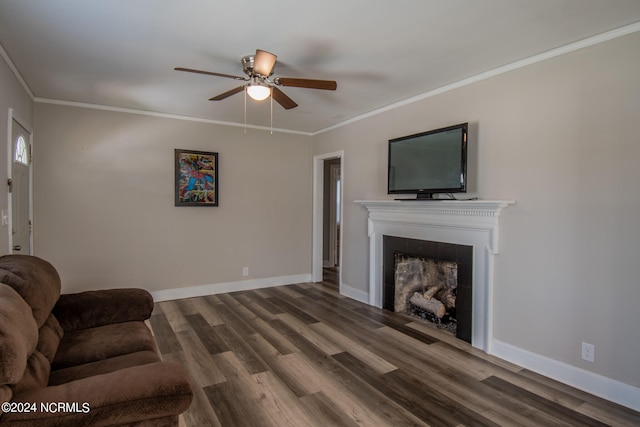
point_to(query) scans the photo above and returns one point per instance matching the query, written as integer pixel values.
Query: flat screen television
(429, 162)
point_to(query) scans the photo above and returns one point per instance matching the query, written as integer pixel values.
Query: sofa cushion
(126, 396)
(100, 367)
(102, 342)
(37, 282)
(49, 336)
(18, 335)
(89, 309)
(35, 376)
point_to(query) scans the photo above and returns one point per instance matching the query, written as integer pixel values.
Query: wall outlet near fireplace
(245, 271)
(588, 351)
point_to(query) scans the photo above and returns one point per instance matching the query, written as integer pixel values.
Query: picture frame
(196, 178)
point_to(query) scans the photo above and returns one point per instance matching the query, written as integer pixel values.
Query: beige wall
(12, 95)
(560, 137)
(105, 214)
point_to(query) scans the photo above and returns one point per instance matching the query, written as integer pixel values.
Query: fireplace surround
(470, 223)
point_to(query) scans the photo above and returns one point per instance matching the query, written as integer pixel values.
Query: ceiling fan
(259, 69)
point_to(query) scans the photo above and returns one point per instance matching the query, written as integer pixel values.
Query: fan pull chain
(271, 96)
(245, 110)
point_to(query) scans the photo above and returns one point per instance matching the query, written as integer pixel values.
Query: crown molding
(162, 115)
(16, 73)
(571, 47)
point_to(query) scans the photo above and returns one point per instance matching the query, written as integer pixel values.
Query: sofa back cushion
(49, 337)
(35, 279)
(18, 335)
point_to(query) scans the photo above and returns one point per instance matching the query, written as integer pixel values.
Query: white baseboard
(607, 388)
(354, 293)
(219, 288)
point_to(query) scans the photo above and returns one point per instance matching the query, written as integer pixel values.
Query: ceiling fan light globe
(258, 92)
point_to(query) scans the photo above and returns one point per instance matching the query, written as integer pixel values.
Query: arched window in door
(21, 151)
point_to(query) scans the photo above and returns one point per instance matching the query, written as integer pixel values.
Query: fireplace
(433, 280)
(472, 224)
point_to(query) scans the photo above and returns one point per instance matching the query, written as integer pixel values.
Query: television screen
(429, 162)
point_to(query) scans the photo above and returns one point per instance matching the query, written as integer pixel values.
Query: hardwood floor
(303, 355)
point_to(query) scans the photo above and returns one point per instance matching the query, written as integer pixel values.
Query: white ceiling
(122, 54)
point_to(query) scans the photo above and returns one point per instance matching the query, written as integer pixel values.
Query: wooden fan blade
(227, 94)
(263, 62)
(306, 83)
(282, 99)
(210, 73)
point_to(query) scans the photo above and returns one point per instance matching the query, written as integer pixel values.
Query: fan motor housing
(247, 64)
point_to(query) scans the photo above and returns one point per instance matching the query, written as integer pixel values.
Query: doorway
(20, 187)
(331, 223)
(328, 192)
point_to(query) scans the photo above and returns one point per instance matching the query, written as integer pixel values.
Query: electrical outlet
(245, 271)
(588, 351)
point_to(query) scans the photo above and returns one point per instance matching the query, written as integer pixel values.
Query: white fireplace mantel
(463, 222)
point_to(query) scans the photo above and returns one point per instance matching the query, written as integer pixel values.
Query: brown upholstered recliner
(85, 359)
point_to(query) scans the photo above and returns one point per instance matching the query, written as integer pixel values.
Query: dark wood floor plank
(457, 383)
(199, 360)
(363, 354)
(229, 408)
(233, 400)
(174, 316)
(608, 410)
(200, 413)
(326, 346)
(241, 349)
(314, 377)
(323, 307)
(261, 310)
(207, 311)
(286, 305)
(165, 337)
(376, 402)
(270, 356)
(266, 303)
(322, 408)
(398, 323)
(276, 340)
(258, 398)
(303, 355)
(207, 334)
(231, 319)
(448, 338)
(412, 395)
(559, 412)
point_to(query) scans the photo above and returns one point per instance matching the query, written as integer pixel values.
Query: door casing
(11, 220)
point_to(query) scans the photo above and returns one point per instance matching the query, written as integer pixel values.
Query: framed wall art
(196, 178)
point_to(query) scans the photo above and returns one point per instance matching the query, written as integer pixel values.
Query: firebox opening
(426, 288)
(437, 279)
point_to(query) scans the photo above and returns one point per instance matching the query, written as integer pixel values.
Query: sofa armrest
(98, 308)
(125, 396)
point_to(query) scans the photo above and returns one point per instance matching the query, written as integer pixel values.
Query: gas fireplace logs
(432, 291)
(430, 305)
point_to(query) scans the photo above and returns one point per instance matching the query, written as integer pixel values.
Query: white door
(20, 225)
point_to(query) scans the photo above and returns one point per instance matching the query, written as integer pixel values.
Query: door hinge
(10, 185)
